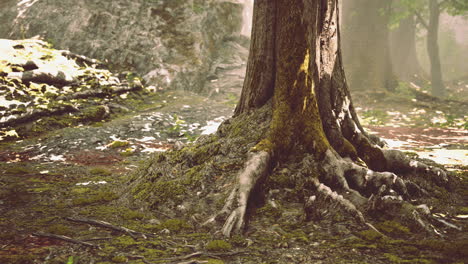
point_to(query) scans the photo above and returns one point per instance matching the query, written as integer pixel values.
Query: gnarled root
(357, 188)
(256, 168)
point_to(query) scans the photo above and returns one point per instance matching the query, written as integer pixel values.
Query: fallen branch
(104, 224)
(65, 238)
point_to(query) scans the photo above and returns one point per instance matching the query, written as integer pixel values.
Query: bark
(366, 45)
(438, 88)
(258, 85)
(403, 50)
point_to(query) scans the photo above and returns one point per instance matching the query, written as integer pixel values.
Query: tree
(403, 46)
(366, 45)
(435, 8)
(295, 112)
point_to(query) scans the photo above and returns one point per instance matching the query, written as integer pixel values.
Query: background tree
(403, 35)
(295, 112)
(432, 10)
(366, 45)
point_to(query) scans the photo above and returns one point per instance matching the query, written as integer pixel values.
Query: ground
(79, 171)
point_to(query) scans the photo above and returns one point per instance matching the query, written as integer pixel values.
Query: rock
(171, 43)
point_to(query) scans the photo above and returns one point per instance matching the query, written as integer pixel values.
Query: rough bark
(258, 85)
(438, 88)
(366, 45)
(403, 50)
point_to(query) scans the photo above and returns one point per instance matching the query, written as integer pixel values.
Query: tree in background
(430, 10)
(366, 48)
(403, 43)
(295, 129)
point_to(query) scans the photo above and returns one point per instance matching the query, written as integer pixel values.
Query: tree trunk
(403, 50)
(438, 88)
(296, 111)
(366, 45)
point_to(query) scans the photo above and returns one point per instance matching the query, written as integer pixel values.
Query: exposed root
(256, 168)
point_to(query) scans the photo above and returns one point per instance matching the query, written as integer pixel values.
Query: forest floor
(54, 179)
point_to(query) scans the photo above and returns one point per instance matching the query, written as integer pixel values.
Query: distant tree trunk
(403, 50)
(366, 48)
(438, 87)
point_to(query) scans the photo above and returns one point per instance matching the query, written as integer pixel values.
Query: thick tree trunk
(295, 109)
(403, 50)
(438, 88)
(366, 45)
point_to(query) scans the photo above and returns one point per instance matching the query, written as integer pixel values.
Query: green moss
(393, 228)
(218, 245)
(127, 152)
(18, 170)
(79, 190)
(60, 229)
(453, 249)
(214, 261)
(47, 124)
(175, 225)
(160, 191)
(369, 235)
(132, 214)
(100, 171)
(269, 211)
(119, 259)
(393, 258)
(118, 144)
(100, 197)
(93, 114)
(18, 259)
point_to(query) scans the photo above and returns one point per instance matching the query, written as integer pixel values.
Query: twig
(176, 260)
(65, 238)
(97, 238)
(104, 224)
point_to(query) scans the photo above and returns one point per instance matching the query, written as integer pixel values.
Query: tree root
(256, 168)
(351, 187)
